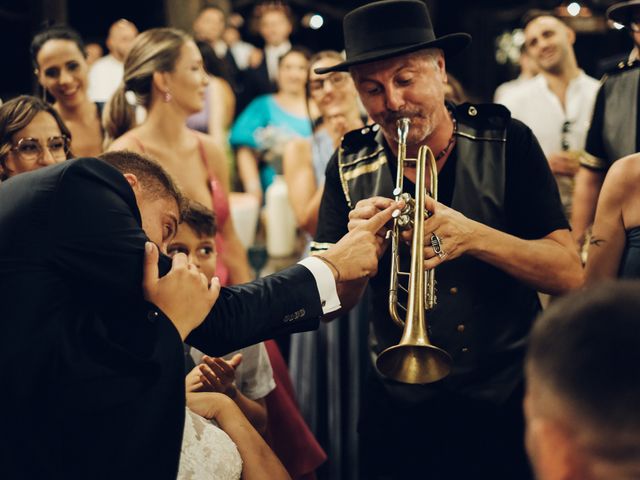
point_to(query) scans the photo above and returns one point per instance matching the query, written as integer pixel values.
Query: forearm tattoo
(596, 241)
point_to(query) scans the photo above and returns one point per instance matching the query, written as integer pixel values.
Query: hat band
(404, 37)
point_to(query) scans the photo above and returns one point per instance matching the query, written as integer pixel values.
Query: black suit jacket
(92, 375)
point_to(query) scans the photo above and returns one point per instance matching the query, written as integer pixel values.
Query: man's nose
(393, 99)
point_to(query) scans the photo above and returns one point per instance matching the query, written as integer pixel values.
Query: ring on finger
(436, 245)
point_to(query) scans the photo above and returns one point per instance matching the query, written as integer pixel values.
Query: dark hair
(56, 32)
(154, 179)
(212, 64)
(201, 219)
(586, 348)
(17, 114)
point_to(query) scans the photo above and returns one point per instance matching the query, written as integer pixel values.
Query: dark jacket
(92, 375)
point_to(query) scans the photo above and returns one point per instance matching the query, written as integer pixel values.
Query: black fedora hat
(390, 28)
(621, 12)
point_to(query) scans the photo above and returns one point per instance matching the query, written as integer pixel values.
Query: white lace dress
(207, 452)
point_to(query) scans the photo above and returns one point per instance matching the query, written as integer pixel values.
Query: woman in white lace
(231, 451)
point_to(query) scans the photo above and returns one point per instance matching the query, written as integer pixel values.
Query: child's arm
(218, 375)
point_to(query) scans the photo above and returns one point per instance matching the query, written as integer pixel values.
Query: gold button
(453, 290)
(473, 111)
(465, 350)
(460, 328)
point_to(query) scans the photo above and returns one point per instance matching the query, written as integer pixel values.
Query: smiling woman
(59, 60)
(32, 135)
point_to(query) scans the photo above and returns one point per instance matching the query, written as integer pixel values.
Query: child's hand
(218, 375)
(192, 381)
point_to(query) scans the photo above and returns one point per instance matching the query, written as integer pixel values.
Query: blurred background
(491, 59)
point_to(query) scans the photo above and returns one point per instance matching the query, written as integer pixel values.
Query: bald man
(106, 73)
(557, 103)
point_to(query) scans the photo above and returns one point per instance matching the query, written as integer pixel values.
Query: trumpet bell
(414, 364)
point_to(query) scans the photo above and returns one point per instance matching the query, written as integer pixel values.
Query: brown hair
(156, 50)
(201, 219)
(154, 179)
(17, 114)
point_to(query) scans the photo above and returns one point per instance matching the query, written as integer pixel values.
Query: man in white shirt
(106, 73)
(528, 70)
(557, 103)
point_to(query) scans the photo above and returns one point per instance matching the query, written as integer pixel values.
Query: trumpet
(415, 359)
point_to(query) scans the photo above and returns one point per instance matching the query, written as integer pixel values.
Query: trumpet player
(495, 236)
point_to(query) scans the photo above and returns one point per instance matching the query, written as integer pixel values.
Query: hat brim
(451, 44)
(621, 12)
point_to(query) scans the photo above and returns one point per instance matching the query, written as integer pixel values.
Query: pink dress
(219, 204)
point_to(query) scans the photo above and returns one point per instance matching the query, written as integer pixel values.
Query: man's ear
(133, 181)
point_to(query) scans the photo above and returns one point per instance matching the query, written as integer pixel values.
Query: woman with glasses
(316, 360)
(60, 63)
(305, 160)
(32, 135)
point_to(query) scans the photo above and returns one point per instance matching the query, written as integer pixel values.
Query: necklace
(444, 151)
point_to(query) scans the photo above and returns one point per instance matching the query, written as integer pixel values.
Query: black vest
(483, 315)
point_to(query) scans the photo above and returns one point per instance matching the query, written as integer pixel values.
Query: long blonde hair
(156, 50)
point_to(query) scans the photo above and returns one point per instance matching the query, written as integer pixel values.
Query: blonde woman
(164, 73)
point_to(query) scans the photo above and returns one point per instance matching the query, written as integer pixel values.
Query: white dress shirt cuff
(325, 282)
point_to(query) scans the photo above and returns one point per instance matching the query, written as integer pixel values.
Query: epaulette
(482, 120)
(623, 67)
(356, 140)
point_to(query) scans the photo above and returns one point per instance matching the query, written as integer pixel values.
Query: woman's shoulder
(625, 171)
(128, 141)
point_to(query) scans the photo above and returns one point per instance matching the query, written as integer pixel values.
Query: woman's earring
(167, 96)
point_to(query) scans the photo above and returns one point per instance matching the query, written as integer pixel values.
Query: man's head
(159, 199)
(209, 25)
(549, 42)
(627, 14)
(196, 238)
(409, 85)
(398, 65)
(121, 36)
(582, 367)
(274, 22)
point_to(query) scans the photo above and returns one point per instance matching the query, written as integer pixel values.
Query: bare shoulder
(216, 158)
(298, 147)
(126, 142)
(624, 172)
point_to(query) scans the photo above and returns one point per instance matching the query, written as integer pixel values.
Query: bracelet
(331, 264)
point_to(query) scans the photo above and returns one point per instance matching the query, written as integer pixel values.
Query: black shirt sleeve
(595, 144)
(333, 217)
(532, 202)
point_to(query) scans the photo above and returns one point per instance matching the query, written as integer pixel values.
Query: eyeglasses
(336, 79)
(31, 150)
(564, 141)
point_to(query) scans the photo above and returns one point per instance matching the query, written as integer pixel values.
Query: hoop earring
(167, 96)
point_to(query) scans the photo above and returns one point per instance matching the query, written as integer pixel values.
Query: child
(245, 375)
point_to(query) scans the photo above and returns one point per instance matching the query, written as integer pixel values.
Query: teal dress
(630, 264)
(266, 127)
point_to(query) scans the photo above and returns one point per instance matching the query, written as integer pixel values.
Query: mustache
(393, 117)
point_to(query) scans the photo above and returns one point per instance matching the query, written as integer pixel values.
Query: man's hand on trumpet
(448, 233)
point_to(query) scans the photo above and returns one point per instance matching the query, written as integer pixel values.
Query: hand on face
(183, 294)
(356, 254)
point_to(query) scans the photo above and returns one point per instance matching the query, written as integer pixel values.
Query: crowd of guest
(221, 116)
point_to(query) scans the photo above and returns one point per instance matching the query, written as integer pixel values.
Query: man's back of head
(583, 392)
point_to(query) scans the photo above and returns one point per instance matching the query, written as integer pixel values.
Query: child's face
(201, 251)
